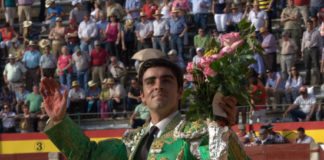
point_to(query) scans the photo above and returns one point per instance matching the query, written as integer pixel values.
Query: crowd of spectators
(91, 57)
(267, 136)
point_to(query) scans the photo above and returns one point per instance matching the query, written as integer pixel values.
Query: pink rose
(227, 50)
(190, 67)
(229, 38)
(232, 48)
(209, 72)
(189, 77)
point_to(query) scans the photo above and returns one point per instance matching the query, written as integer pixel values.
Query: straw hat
(75, 83)
(48, 3)
(11, 56)
(175, 10)
(233, 6)
(158, 13)
(172, 52)
(27, 24)
(110, 81)
(91, 83)
(142, 14)
(58, 19)
(32, 43)
(44, 43)
(255, 3)
(263, 29)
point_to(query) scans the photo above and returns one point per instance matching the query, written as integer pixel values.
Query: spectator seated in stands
(34, 100)
(77, 97)
(8, 119)
(293, 84)
(275, 87)
(173, 57)
(21, 96)
(201, 40)
(29, 33)
(140, 115)
(7, 97)
(259, 112)
(7, 35)
(92, 96)
(17, 49)
(53, 12)
(264, 137)
(277, 137)
(42, 118)
(200, 52)
(302, 138)
(14, 73)
(117, 70)
(26, 120)
(133, 98)
(104, 97)
(233, 19)
(244, 137)
(304, 106)
(117, 96)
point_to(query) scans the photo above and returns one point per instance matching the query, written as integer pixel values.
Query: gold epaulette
(191, 130)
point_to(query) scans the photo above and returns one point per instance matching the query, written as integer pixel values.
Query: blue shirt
(272, 82)
(102, 25)
(132, 4)
(57, 11)
(196, 8)
(31, 59)
(21, 96)
(177, 26)
(129, 35)
(259, 65)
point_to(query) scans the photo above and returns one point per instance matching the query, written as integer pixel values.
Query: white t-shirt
(14, 72)
(307, 139)
(118, 90)
(305, 105)
(9, 122)
(80, 94)
(258, 19)
(196, 59)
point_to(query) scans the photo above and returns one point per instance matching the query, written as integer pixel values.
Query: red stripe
(40, 136)
(288, 126)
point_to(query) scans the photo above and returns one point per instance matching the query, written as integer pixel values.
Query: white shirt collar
(162, 124)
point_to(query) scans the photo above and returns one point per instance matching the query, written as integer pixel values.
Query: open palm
(54, 101)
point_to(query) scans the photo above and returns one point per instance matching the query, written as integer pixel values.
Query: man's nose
(158, 84)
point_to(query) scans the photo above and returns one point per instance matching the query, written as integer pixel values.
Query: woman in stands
(293, 83)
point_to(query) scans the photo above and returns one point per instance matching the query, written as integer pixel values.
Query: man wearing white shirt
(160, 32)
(143, 32)
(14, 73)
(304, 106)
(302, 138)
(258, 18)
(87, 32)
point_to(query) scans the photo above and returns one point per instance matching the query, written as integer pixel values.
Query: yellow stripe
(33, 146)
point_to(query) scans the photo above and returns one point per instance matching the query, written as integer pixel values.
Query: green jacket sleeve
(75, 145)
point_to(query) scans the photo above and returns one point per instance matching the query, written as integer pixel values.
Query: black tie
(148, 142)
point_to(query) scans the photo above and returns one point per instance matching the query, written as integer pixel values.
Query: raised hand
(228, 104)
(54, 101)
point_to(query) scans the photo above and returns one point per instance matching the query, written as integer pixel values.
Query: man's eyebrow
(163, 76)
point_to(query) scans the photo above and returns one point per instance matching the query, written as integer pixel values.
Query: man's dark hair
(315, 18)
(301, 129)
(309, 21)
(160, 62)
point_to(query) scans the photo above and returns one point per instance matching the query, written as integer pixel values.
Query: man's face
(242, 131)
(309, 26)
(263, 136)
(285, 38)
(300, 134)
(270, 75)
(157, 17)
(47, 49)
(12, 60)
(314, 22)
(25, 109)
(160, 90)
(256, 7)
(200, 53)
(290, 3)
(97, 47)
(86, 18)
(102, 17)
(35, 89)
(201, 32)
(173, 57)
(31, 48)
(135, 84)
(143, 19)
(6, 108)
(21, 89)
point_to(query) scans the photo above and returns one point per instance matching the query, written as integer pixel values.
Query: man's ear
(142, 97)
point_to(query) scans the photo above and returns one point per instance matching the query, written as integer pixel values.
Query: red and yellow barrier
(24, 143)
